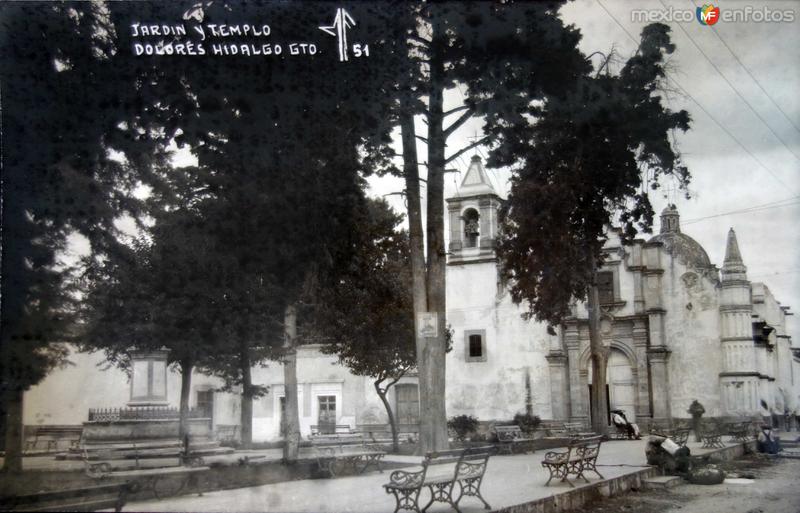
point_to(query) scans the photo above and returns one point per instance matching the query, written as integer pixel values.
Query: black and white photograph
(400, 256)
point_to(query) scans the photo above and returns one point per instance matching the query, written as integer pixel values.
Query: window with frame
(326, 414)
(475, 342)
(605, 286)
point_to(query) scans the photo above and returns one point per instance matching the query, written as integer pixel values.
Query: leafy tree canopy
(364, 315)
(582, 161)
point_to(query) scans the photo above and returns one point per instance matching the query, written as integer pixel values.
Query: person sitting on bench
(619, 420)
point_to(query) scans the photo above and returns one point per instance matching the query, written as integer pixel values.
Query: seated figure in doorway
(619, 420)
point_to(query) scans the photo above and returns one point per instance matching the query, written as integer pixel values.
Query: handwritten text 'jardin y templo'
(248, 40)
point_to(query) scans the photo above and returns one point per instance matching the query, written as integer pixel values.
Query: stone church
(678, 328)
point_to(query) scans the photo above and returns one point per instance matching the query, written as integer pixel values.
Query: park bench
(570, 429)
(353, 451)
(162, 466)
(657, 427)
(440, 473)
(509, 437)
(382, 433)
(54, 434)
(89, 498)
(680, 436)
(330, 429)
(741, 431)
(579, 457)
(711, 436)
(559, 428)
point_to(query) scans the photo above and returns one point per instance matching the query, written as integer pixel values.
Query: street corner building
(679, 328)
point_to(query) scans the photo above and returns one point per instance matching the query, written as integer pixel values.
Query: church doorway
(622, 389)
(620, 385)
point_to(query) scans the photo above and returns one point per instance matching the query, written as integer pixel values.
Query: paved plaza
(510, 480)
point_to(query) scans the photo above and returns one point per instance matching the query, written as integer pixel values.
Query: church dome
(679, 244)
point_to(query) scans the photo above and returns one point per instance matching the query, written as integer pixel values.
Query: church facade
(677, 328)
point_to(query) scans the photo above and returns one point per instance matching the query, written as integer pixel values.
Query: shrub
(527, 423)
(462, 425)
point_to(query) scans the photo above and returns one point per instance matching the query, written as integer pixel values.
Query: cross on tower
(670, 193)
(473, 139)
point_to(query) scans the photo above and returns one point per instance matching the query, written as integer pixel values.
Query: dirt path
(775, 489)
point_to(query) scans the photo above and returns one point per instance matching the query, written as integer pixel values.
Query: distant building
(678, 329)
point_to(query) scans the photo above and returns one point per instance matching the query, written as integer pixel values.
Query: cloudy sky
(739, 80)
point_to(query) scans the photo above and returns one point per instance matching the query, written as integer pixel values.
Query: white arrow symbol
(341, 23)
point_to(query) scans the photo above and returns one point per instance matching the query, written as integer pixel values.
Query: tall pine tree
(583, 161)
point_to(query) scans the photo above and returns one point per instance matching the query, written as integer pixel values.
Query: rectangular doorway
(326, 414)
(407, 404)
(205, 404)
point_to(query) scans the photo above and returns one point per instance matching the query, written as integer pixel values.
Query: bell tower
(472, 214)
(739, 381)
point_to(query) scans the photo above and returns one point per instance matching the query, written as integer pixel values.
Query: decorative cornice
(556, 358)
(659, 354)
(478, 260)
(459, 199)
(735, 308)
(731, 283)
(739, 375)
(737, 339)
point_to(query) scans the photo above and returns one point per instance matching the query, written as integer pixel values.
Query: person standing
(696, 410)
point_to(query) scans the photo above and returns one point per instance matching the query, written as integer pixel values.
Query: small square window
(475, 341)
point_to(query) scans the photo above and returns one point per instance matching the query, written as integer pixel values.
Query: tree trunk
(186, 390)
(433, 432)
(246, 413)
(599, 356)
(13, 458)
(392, 420)
(419, 278)
(291, 417)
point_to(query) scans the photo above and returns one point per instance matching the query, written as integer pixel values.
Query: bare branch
(466, 149)
(423, 139)
(598, 52)
(457, 109)
(466, 116)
